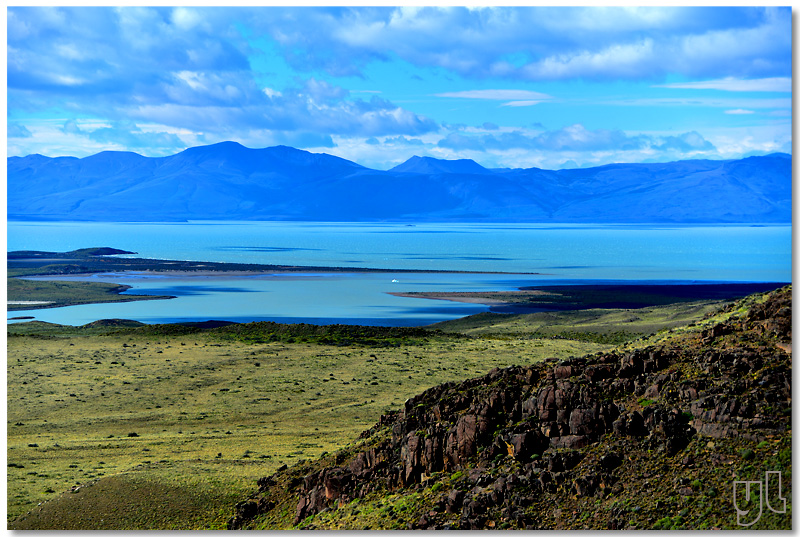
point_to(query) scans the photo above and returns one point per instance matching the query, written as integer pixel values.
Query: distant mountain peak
(228, 181)
(417, 164)
(236, 152)
(220, 147)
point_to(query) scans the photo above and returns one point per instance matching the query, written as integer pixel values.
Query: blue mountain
(228, 181)
(430, 166)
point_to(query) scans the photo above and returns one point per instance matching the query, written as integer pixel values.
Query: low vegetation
(608, 326)
(108, 419)
(652, 437)
(117, 413)
(54, 294)
(209, 411)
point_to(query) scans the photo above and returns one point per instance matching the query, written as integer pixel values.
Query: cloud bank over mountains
(505, 86)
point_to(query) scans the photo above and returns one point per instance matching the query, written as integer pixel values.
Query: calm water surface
(558, 254)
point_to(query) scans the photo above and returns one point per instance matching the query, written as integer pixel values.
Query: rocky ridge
(647, 438)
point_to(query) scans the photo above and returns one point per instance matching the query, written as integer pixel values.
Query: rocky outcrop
(544, 417)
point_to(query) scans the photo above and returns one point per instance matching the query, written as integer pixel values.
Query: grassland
(55, 294)
(205, 414)
(651, 488)
(614, 326)
(190, 418)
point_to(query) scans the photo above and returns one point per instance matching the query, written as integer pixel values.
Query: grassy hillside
(124, 413)
(613, 326)
(653, 437)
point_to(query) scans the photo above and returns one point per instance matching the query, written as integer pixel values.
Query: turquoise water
(312, 298)
(556, 253)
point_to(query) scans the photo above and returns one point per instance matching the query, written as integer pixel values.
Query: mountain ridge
(430, 165)
(228, 181)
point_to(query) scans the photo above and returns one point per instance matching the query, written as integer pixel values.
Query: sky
(514, 87)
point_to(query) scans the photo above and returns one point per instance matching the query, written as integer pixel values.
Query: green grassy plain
(614, 326)
(205, 414)
(188, 419)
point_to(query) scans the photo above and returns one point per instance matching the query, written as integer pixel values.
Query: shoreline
(54, 304)
(96, 262)
(560, 296)
(486, 298)
(598, 296)
(282, 270)
(67, 263)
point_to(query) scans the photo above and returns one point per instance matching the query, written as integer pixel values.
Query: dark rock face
(543, 415)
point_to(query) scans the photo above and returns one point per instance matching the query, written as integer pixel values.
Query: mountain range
(227, 181)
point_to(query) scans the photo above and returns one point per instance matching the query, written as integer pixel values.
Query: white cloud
(521, 103)
(553, 43)
(774, 84)
(721, 102)
(15, 130)
(188, 71)
(626, 61)
(576, 138)
(186, 18)
(69, 52)
(66, 80)
(497, 95)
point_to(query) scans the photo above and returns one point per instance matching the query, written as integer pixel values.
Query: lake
(556, 253)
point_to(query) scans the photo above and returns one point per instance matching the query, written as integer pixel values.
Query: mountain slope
(429, 165)
(644, 438)
(228, 181)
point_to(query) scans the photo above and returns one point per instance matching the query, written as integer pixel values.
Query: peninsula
(25, 293)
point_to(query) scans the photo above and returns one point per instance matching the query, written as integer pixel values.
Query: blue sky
(508, 87)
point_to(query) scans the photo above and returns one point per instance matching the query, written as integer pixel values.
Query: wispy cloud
(774, 84)
(521, 103)
(721, 102)
(15, 130)
(577, 138)
(159, 79)
(497, 95)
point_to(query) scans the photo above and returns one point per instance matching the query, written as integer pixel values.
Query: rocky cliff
(646, 438)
